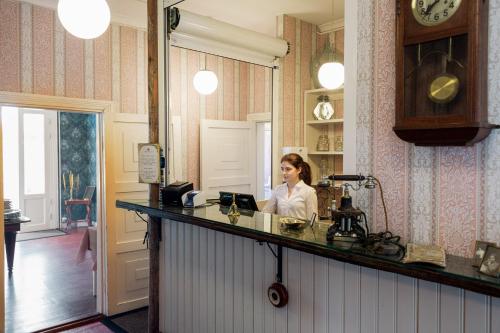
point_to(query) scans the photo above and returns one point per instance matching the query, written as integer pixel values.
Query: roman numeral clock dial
(434, 12)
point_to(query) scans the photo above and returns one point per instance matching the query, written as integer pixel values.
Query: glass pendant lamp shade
(85, 19)
(205, 82)
(327, 68)
(331, 75)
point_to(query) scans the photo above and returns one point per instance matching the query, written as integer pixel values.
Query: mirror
(273, 103)
(221, 141)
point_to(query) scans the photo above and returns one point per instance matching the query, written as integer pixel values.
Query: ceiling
(257, 15)
(260, 15)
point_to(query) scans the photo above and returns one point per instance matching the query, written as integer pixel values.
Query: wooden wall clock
(441, 72)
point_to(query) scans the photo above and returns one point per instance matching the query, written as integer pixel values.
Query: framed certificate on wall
(149, 163)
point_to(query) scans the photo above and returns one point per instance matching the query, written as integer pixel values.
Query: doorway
(50, 160)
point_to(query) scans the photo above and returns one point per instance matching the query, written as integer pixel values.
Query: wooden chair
(86, 201)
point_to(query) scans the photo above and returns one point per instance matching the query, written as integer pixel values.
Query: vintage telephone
(349, 224)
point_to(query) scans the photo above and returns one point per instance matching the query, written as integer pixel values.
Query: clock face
(434, 12)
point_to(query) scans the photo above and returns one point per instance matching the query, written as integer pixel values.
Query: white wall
(216, 282)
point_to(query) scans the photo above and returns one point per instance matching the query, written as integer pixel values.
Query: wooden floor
(47, 286)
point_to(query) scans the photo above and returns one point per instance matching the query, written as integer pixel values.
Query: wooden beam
(154, 223)
(153, 71)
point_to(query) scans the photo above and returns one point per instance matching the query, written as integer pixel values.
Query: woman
(294, 197)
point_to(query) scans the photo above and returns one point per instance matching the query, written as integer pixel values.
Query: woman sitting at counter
(295, 197)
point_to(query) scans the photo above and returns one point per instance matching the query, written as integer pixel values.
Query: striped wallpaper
(443, 195)
(38, 56)
(305, 44)
(243, 89)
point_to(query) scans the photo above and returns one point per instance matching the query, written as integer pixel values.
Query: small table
(73, 202)
(11, 227)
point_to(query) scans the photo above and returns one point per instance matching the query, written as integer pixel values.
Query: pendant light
(328, 68)
(204, 81)
(331, 72)
(86, 19)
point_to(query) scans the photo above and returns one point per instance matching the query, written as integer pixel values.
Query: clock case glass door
(464, 119)
(424, 63)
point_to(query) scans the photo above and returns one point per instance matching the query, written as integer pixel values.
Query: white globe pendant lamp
(331, 75)
(205, 82)
(86, 19)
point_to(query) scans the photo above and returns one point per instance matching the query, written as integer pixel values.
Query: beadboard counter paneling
(215, 282)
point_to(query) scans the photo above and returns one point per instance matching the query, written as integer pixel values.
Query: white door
(31, 147)
(227, 150)
(127, 256)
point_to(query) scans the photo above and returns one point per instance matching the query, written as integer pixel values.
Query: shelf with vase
(323, 122)
(339, 91)
(329, 152)
(324, 131)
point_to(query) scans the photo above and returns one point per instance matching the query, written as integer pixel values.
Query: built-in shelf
(325, 91)
(330, 161)
(315, 152)
(324, 122)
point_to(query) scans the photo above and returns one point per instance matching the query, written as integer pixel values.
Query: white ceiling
(260, 15)
(257, 15)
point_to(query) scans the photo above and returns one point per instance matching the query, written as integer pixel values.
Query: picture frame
(149, 163)
(491, 261)
(479, 251)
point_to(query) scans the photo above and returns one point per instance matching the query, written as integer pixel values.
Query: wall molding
(259, 117)
(67, 104)
(331, 26)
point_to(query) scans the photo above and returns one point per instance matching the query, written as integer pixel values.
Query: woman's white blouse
(301, 204)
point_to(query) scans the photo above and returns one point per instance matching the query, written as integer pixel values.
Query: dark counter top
(267, 228)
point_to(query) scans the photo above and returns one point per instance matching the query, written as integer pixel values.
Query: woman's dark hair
(297, 161)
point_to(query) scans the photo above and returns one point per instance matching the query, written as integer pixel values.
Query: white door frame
(104, 110)
(256, 118)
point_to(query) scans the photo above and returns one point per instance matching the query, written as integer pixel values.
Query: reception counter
(215, 274)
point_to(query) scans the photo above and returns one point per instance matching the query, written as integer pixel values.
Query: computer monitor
(243, 201)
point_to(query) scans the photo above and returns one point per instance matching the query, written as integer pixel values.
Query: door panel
(133, 268)
(227, 156)
(34, 207)
(128, 261)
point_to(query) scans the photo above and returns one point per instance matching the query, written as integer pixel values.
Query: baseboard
(127, 313)
(112, 326)
(73, 324)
